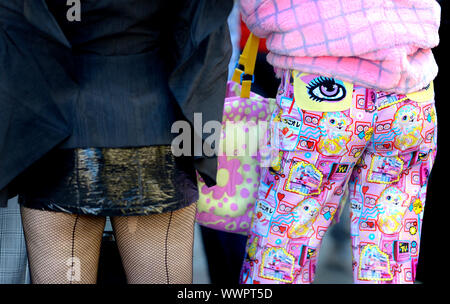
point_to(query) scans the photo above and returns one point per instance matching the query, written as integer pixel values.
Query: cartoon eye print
(326, 89)
(328, 209)
(285, 208)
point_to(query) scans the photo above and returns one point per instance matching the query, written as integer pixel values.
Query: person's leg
(62, 248)
(300, 193)
(388, 192)
(225, 254)
(157, 249)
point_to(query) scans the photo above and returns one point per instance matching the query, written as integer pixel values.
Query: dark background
(431, 268)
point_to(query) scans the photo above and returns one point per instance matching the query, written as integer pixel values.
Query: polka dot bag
(228, 206)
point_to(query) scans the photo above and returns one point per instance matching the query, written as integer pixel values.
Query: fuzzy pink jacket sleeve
(380, 44)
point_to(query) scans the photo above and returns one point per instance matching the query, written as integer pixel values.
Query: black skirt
(109, 182)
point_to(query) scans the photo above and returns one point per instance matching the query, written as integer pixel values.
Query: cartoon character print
(277, 264)
(391, 210)
(374, 265)
(289, 124)
(274, 138)
(264, 209)
(407, 127)
(304, 215)
(304, 179)
(263, 215)
(334, 137)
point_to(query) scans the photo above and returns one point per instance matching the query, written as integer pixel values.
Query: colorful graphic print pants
(376, 154)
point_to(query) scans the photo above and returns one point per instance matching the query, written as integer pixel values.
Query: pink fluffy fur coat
(380, 44)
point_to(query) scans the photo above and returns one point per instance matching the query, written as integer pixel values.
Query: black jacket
(63, 91)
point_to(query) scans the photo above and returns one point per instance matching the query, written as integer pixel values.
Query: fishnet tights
(64, 248)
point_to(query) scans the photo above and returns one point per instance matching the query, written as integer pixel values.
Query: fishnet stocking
(157, 249)
(62, 248)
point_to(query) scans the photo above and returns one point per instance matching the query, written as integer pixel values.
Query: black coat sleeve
(31, 123)
(202, 51)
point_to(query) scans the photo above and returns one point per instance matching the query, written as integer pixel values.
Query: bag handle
(243, 73)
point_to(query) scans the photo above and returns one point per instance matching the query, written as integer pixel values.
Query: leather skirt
(109, 181)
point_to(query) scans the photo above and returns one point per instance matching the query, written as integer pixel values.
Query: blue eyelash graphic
(324, 88)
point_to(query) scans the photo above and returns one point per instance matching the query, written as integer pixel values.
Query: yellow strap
(242, 60)
(247, 60)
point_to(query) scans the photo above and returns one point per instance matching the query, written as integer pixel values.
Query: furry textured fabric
(385, 45)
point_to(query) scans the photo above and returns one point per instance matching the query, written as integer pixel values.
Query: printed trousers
(336, 142)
